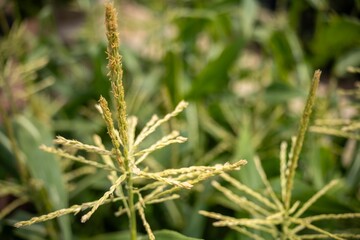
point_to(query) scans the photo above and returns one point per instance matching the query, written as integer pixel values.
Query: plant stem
(130, 189)
(304, 122)
(132, 219)
(116, 75)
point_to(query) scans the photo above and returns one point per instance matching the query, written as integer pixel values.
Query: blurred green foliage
(245, 66)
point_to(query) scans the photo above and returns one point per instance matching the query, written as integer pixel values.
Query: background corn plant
(244, 66)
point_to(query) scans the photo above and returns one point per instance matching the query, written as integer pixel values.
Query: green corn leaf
(43, 167)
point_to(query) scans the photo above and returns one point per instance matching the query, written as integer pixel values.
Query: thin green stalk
(130, 191)
(116, 74)
(131, 207)
(304, 122)
(295, 153)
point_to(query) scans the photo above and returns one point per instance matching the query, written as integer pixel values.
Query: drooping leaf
(43, 167)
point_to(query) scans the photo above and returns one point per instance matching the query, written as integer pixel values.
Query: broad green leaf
(43, 167)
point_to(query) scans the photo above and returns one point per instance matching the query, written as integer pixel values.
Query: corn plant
(280, 217)
(132, 184)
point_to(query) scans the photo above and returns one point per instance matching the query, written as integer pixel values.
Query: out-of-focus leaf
(167, 234)
(173, 76)
(302, 69)
(7, 161)
(329, 202)
(32, 232)
(175, 216)
(192, 115)
(245, 150)
(86, 182)
(43, 166)
(196, 223)
(78, 125)
(125, 235)
(321, 170)
(319, 4)
(335, 37)
(191, 23)
(249, 14)
(214, 77)
(350, 59)
(281, 51)
(353, 177)
(279, 92)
